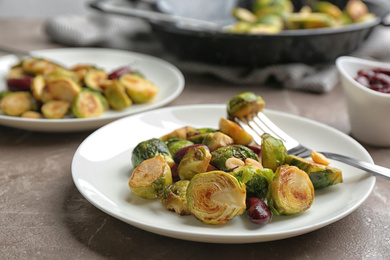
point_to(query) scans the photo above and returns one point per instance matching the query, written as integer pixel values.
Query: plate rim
(239, 239)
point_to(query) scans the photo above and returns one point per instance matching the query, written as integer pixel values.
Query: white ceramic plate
(101, 169)
(166, 76)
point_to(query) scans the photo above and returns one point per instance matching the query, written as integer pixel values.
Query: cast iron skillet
(310, 46)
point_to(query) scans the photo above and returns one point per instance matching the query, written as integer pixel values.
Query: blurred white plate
(101, 169)
(166, 76)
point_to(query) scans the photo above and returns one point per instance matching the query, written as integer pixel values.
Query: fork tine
(243, 122)
(259, 124)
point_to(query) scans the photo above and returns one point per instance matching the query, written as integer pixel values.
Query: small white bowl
(369, 110)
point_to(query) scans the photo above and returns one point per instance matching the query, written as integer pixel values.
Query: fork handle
(369, 167)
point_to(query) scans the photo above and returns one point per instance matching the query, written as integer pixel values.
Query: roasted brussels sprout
(94, 78)
(88, 104)
(327, 8)
(138, 88)
(239, 135)
(243, 14)
(309, 21)
(273, 152)
(255, 180)
(174, 197)
(321, 175)
(179, 133)
(195, 161)
(150, 177)
(356, 9)
(220, 156)
(60, 88)
(55, 109)
(149, 149)
(16, 103)
(243, 104)
(116, 96)
(37, 66)
(215, 197)
(175, 144)
(37, 85)
(290, 191)
(212, 140)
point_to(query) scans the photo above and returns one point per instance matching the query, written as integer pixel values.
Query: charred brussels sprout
(215, 197)
(116, 96)
(94, 78)
(150, 177)
(212, 140)
(195, 161)
(243, 104)
(88, 104)
(138, 88)
(321, 175)
(220, 156)
(60, 88)
(174, 197)
(255, 180)
(149, 149)
(239, 135)
(16, 103)
(290, 191)
(175, 144)
(55, 109)
(273, 152)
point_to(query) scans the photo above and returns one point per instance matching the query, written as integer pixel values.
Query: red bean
(21, 84)
(119, 72)
(377, 79)
(257, 211)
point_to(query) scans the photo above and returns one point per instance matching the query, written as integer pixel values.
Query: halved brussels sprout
(195, 161)
(116, 96)
(175, 144)
(31, 114)
(16, 103)
(328, 8)
(149, 149)
(321, 175)
(255, 180)
(139, 89)
(290, 191)
(355, 9)
(273, 152)
(309, 21)
(88, 104)
(93, 79)
(243, 104)
(212, 140)
(36, 66)
(37, 85)
(179, 133)
(239, 135)
(220, 156)
(174, 197)
(62, 72)
(150, 177)
(60, 88)
(55, 109)
(215, 197)
(243, 14)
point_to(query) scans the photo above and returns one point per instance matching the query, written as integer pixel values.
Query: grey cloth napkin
(112, 31)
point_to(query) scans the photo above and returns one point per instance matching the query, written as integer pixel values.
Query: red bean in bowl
(377, 79)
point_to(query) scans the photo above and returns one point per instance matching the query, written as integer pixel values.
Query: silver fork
(259, 124)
